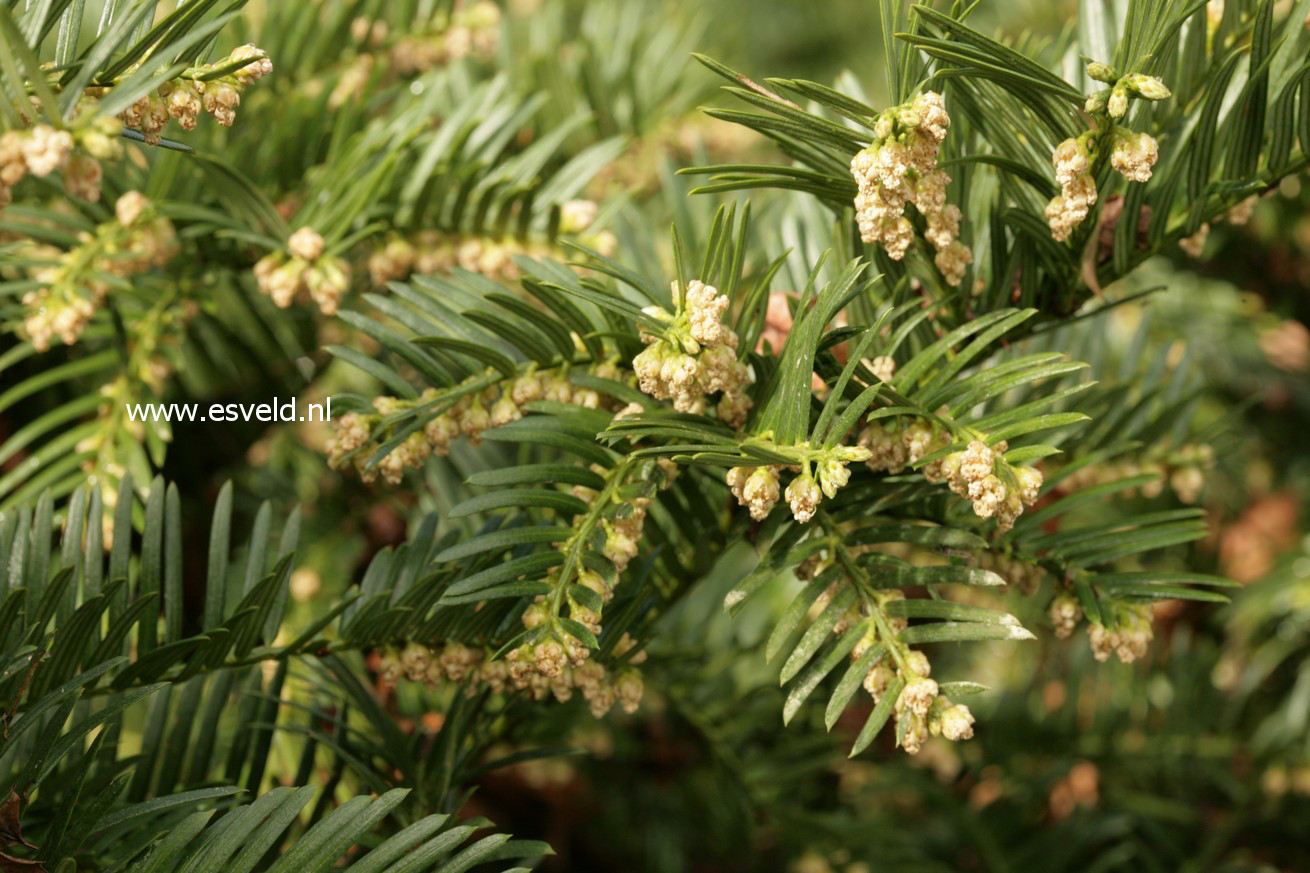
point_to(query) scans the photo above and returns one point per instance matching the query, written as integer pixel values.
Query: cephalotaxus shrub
(893, 425)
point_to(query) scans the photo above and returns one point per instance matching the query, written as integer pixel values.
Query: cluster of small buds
(468, 417)
(602, 690)
(1130, 639)
(622, 527)
(1114, 100)
(1188, 467)
(972, 474)
(354, 79)
(72, 283)
(831, 470)
(1065, 614)
(900, 167)
(759, 488)
(920, 709)
(803, 495)
(1066, 210)
(883, 367)
(82, 175)
(705, 309)
(756, 488)
(469, 32)
(1091, 475)
(554, 651)
(1022, 574)
(558, 664)
(623, 534)
(474, 32)
(893, 444)
(1131, 154)
(257, 64)
(13, 166)
(45, 149)
(1182, 470)
(430, 253)
(1134, 154)
(1242, 212)
(695, 357)
(950, 721)
(575, 216)
(457, 663)
(307, 275)
(184, 98)
(1195, 244)
(42, 149)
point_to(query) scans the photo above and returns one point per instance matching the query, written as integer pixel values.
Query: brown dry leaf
(11, 829)
(11, 834)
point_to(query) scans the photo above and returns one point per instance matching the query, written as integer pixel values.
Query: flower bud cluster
(1241, 213)
(74, 283)
(758, 488)
(430, 253)
(456, 663)
(42, 149)
(472, 31)
(1182, 470)
(1024, 575)
(1195, 244)
(194, 92)
(622, 533)
(883, 367)
(900, 167)
(1187, 471)
(1065, 613)
(896, 443)
(39, 150)
(1073, 161)
(1130, 638)
(1131, 154)
(468, 417)
(695, 357)
(559, 662)
(553, 651)
(973, 474)
(303, 273)
(803, 493)
(1115, 99)
(920, 709)
(1134, 154)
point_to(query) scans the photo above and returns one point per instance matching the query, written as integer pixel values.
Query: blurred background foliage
(1194, 759)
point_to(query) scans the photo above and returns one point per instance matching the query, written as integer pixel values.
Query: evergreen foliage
(763, 472)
